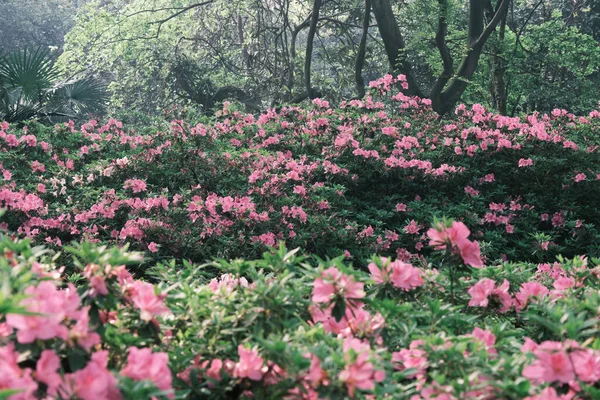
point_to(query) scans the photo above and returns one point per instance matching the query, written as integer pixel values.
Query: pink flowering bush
(294, 326)
(152, 262)
(365, 176)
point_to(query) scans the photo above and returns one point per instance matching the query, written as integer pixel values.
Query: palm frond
(29, 71)
(29, 88)
(82, 96)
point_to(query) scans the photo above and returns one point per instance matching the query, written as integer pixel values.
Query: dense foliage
(478, 307)
(542, 54)
(360, 178)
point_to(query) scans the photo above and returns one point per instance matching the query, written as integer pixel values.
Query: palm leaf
(82, 96)
(28, 89)
(29, 73)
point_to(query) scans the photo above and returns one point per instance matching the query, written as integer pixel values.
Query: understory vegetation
(299, 199)
(366, 250)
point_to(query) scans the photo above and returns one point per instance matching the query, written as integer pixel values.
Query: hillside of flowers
(366, 250)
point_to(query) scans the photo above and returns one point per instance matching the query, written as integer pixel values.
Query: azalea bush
(294, 326)
(365, 177)
(433, 258)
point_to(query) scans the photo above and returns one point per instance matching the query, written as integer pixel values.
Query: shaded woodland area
(511, 55)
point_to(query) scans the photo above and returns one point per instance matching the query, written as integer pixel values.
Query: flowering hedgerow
(478, 307)
(364, 177)
(290, 326)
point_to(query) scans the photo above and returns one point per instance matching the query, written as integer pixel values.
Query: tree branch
(440, 41)
(491, 26)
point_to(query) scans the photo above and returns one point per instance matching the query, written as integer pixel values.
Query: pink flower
(358, 373)
(250, 364)
(405, 276)
(98, 285)
(530, 290)
(485, 289)
(46, 371)
(412, 358)
(456, 236)
(412, 228)
(487, 338)
(214, 372)
(587, 364)
(54, 304)
(153, 247)
(470, 191)
(333, 283)
(143, 365)
(401, 207)
(552, 364)
(147, 301)
(579, 177)
(564, 283)
(470, 253)
(13, 377)
(558, 220)
(525, 162)
(480, 293)
(529, 346)
(400, 274)
(136, 185)
(550, 394)
(92, 382)
(227, 283)
(316, 376)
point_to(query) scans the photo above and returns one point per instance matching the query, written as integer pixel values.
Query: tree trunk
(394, 44)
(498, 69)
(292, 70)
(309, 47)
(362, 50)
(445, 96)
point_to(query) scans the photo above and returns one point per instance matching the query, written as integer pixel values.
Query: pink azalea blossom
(549, 393)
(412, 358)
(553, 364)
(525, 162)
(333, 283)
(456, 236)
(13, 377)
(487, 338)
(250, 365)
(92, 382)
(147, 301)
(143, 365)
(359, 372)
(529, 291)
(400, 274)
(485, 289)
(54, 304)
(46, 371)
(153, 247)
(136, 185)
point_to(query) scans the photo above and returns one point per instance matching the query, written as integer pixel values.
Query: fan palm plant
(30, 88)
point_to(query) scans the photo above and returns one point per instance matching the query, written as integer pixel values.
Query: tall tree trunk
(292, 70)
(498, 68)
(309, 47)
(394, 43)
(245, 52)
(362, 50)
